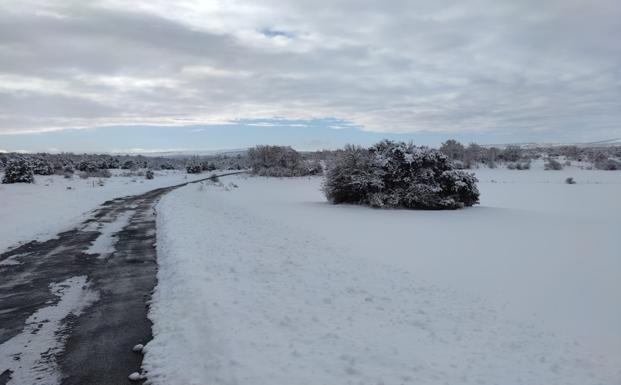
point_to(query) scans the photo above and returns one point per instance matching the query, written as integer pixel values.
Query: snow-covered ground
(53, 203)
(269, 284)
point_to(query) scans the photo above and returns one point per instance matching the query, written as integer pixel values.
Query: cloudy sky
(207, 74)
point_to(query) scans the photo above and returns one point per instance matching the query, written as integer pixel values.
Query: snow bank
(268, 284)
(54, 203)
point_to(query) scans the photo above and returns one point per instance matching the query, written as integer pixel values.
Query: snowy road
(72, 307)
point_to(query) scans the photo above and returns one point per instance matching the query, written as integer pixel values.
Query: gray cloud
(395, 66)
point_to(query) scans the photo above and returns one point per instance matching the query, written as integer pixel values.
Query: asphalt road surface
(72, 307)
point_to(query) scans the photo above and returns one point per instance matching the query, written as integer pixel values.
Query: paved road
(70, 309)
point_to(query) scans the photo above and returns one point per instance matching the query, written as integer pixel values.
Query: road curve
(72, 307)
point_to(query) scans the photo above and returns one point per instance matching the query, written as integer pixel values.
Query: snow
(268, 283)
(31, 355)
(135, 376)
(104, 244)
(47, 207)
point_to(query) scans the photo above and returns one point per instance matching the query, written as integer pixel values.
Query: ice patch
(30, 356)
(104, 244)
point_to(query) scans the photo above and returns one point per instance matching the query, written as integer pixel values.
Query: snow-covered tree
(18, 170)
(397, 174)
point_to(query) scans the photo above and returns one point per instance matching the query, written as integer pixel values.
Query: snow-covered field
(53, 203)
(269, 284)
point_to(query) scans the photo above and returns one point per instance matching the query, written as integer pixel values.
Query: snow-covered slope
(268, 284)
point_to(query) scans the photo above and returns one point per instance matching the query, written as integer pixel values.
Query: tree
(453, 149)
(512, 153)
(280, 161)
(491, 157)
(18, 170)
(473, 155)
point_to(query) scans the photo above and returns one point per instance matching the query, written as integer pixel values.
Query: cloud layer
(391, 66)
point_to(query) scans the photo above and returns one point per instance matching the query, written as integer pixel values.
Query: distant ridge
(601, 143)
(185, 153)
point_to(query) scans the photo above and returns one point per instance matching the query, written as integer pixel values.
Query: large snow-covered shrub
(396, 174)
(18, 170)
(353, 176)
(280, 161)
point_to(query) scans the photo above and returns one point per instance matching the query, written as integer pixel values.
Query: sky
(111, 75)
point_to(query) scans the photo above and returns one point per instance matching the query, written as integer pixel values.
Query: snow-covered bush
(18, 170)
(396, 174)
(87, 166)
(128, 165)
(206, 166)
(552, 164)
(353, 176)
(519, 165)
(149, 174)
(602, 162)
(194, 168)
(312, 167)
(42, 167)
(570, 180)
(279, 161)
